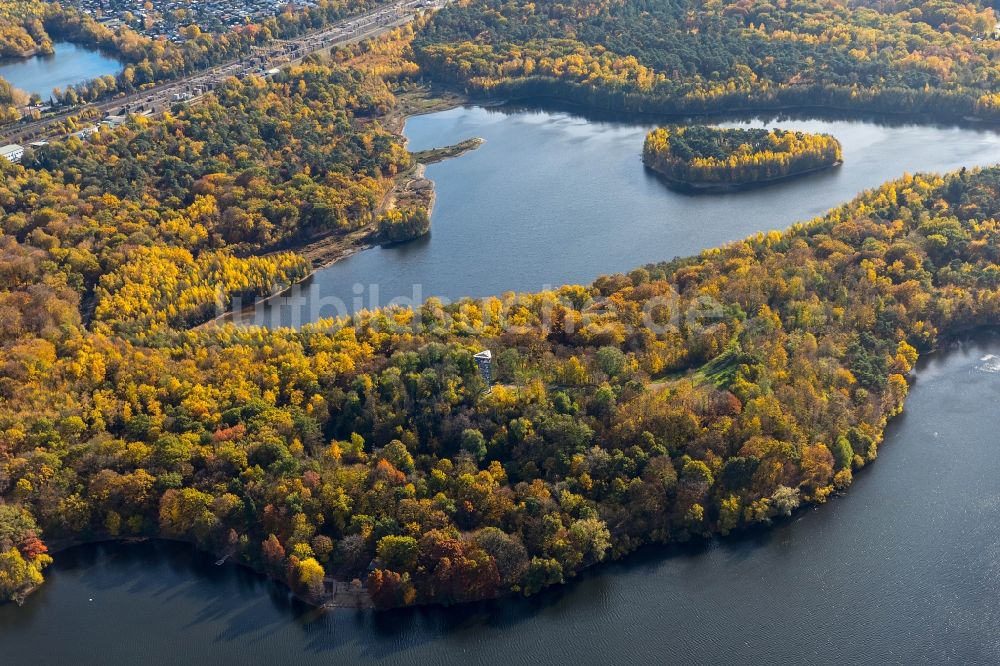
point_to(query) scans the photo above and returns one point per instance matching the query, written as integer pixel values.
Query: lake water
(904, 569)
(554, 198)
(69, 64)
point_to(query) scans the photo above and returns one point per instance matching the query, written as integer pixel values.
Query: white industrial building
(12, 152)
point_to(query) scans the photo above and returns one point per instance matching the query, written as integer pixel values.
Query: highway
(161, 97)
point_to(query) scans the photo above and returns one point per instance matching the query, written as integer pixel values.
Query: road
(189, 88)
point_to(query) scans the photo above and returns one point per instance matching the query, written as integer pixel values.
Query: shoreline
(853, 112)
(325, 250)
(39, 50)
(435, 155)
(330, 248)
(620, 557)
(362, 601)
(945, 345)
(743, 532)
(730, 188)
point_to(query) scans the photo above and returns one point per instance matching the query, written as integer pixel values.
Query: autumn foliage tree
(368, 448)
(698, 156)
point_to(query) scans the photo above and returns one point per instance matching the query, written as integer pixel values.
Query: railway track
(188, 88)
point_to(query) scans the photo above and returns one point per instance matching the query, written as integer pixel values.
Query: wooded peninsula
(714, 159)
(679, 401)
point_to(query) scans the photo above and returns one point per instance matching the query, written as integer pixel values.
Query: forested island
(704, 158)
(683, 400)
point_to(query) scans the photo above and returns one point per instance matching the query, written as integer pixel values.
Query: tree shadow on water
(239, 608)
(381, 635)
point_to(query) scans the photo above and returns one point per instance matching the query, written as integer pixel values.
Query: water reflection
(553, 197)
(70, 64)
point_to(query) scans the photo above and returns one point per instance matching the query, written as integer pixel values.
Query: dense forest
(707, 157)
(933, 57)
(682, 400)
(157, 224)
(21, 30)
(153, 223)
